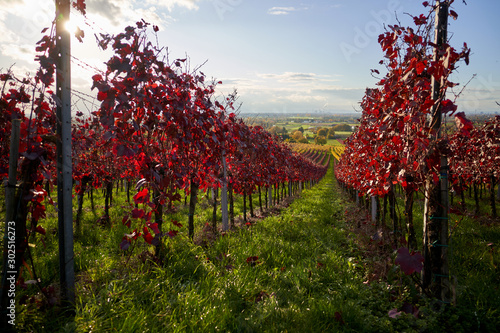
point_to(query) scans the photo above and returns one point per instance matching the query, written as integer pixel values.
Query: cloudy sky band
(284, 55)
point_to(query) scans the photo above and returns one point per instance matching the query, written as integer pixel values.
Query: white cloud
(112, 16)
(292, 92)
(290, 76)
(170, 4)
(150, 15)
(7, 35)
(19, 52)
(281, 10)
(305, 98)
(22, 22)
(112, 10)
(10, 2)
(298, 78)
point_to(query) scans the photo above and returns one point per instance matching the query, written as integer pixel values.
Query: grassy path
(294, 272)
(301, 271)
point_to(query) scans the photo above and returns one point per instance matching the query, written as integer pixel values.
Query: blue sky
(281, 56)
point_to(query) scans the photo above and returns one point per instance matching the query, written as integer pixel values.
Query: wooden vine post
(224, 210)
(9, 270)
(64, 164)
(435, 275)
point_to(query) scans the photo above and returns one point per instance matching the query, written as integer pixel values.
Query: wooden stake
(64, 164)
(223, 204)
(435, 274)
(10, 199)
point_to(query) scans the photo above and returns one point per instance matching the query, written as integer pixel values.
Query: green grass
(310, 276)
(474, 262)
(211, 289)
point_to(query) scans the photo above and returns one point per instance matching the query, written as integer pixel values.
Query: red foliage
(158, 122)
(409, 262)
(395, 141)
(80, 6)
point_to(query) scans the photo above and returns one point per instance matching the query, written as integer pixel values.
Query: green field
(307, 122)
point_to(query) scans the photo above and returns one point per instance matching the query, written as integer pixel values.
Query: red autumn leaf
(80, 6)
(410, 309)
(409, 262)
(397, 140)
(101, 96)
(172, 233)
(97, 77)
(38, 212)
(466, 53)
(453, 14)
(420, 67)
(154, 227)
(420, 20)
(40, 230)
(147, 235)
(338, 317)
(456, 211)
(126, 221)
(79, 34)
(125, 244)
(38, 194)
(427, 104)
(142, 196)
(435, 178)
(448, 106)
(137, 213)
(177, 224)
(463, 124)
(134, 235)
(123, 150)
(253, 260)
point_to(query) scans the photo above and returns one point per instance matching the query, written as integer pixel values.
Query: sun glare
(73, 24)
